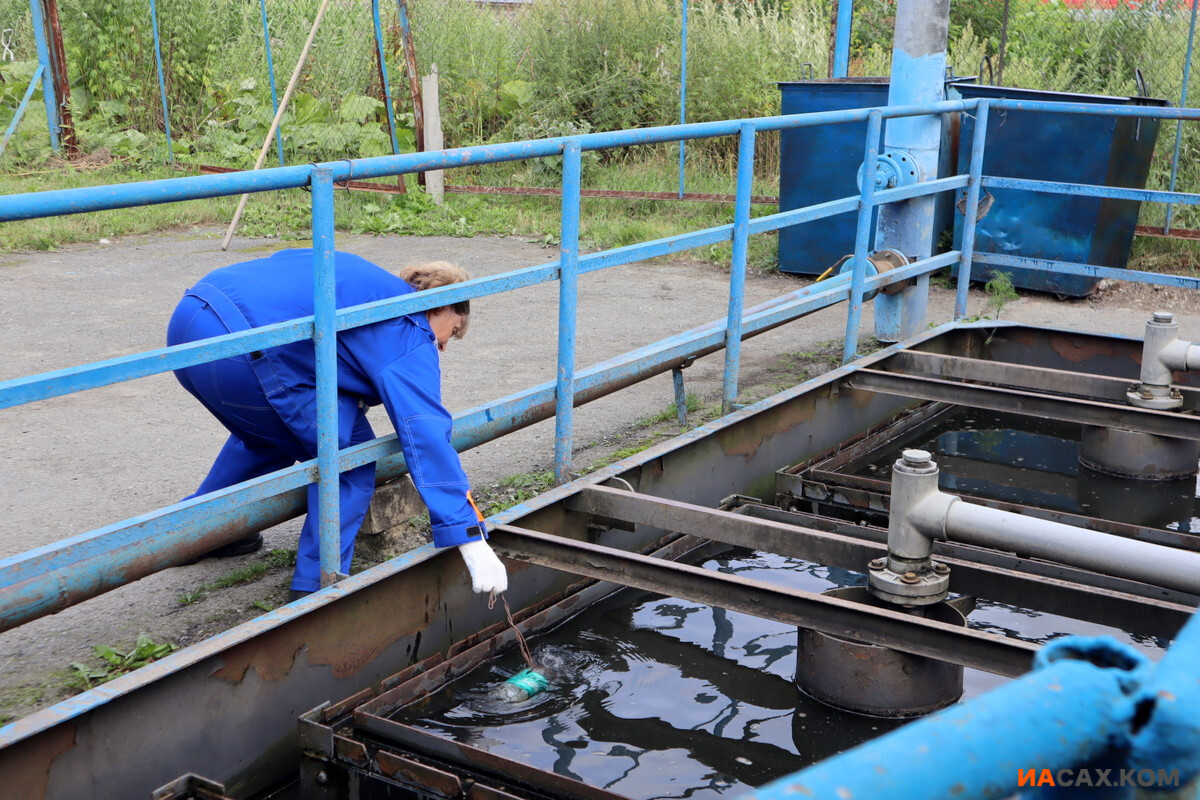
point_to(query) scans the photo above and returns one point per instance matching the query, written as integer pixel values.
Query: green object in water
(527, 682)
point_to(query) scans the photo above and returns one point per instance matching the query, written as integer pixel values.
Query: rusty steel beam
(879, 626)
(1066, 409)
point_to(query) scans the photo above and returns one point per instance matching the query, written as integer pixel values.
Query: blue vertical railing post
(862, 238)
(683, 39)
(162, 84)
(681, 408)
(20, 112)
(971, 212)
(325, 343)
(262, 5)
(568, 297)
(383, 76)
(49, 98)
(1183, 93)
(841, 44)
(737, 271)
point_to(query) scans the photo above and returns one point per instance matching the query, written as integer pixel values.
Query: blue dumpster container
(1069, 148)
(821, 163)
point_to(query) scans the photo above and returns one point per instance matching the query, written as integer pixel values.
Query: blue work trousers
(261, 442)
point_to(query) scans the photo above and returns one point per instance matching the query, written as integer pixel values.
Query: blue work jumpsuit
(268, 401)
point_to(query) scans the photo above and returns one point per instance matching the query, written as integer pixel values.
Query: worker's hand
(487, 571)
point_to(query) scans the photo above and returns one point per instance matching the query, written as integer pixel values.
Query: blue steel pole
(383, 76)
(162, 84)
(737, 272)
(683, 37)
(1064, 714)
(975, 179)
(16, 120)
(1183, 93)
(49, 98)
(862, 238)
(918, 76)
(262, 4)
(841, 45)
(568, 298)
(325, 342)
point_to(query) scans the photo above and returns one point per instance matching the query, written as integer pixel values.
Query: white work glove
(487, 571)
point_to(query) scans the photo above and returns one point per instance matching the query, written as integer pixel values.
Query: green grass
(512, 490)
(270, 561)
(112, 663)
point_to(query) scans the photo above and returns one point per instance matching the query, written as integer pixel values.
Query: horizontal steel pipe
(75, 201)
(1090, 190)
(1039, 538)
(1062, 715)
(51, 578)
(1096, 109)
(921, 189)
(1088, 270)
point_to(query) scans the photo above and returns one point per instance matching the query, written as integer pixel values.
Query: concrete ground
(72, 464)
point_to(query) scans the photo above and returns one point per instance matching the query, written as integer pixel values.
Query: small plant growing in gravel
(114, 663)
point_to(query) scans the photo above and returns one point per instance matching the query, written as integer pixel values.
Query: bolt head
(940, 568)
(877, 563)
(1164, 317)
(909, 577)
(917, 458)
(322, 778)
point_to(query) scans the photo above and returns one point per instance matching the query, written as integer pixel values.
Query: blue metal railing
(31, 584)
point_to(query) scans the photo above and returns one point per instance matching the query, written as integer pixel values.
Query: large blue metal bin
(1070, 148)
(821, 163)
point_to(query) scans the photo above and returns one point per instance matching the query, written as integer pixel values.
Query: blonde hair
(440, 273)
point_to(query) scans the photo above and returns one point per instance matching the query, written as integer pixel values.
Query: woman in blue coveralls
(267, 400)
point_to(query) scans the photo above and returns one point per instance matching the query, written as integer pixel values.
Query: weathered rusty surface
(351, 751)
(25, 772)
(425, 778)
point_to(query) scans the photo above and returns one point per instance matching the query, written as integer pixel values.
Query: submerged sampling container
(1066, 148)
(821, 163)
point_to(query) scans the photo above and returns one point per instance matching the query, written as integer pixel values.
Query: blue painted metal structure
(1183, 93)
(49, 96)
(20, 112)
(262, 5)
(383, 75)
(841, 42)
(1092, 710)
(683, 40)
(42, 581)
(162, 85)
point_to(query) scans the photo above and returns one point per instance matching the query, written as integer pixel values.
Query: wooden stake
(287, 96)
(435, 183)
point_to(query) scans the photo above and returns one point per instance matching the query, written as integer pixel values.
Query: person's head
(448, 322)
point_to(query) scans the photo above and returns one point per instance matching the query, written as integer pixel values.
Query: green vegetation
(512, 490)
(270, 561)
(114, 663)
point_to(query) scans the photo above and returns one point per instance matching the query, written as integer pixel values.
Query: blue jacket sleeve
(410, 389)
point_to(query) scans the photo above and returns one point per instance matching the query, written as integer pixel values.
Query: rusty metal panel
(423, 777)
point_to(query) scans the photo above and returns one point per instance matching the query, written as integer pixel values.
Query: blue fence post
(683, 37)
(737, 271)
(16, 120)
(681, 408)
(162, 84)
(325, 342)
(862, 239)
(383, 76)
(841, 45)
(568, 296)
(262, 4)
(49, 98)
(1183, 93)
(974, 178)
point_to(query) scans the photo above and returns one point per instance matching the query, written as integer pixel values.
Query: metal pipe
(414, 77)
(1066, 544)
(20, 112)
(568, 299)
(737, 270)
(683, 42)
(1183, 93)
(974, 177)
(162, 85)
(271, 76)
(324, 336)
(53, 121)
(681, 408)
(101, 198)
(841, 46)
(862, 238)
(1069, 711)
(918, 77)
(383, 75)
(1089, 270)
